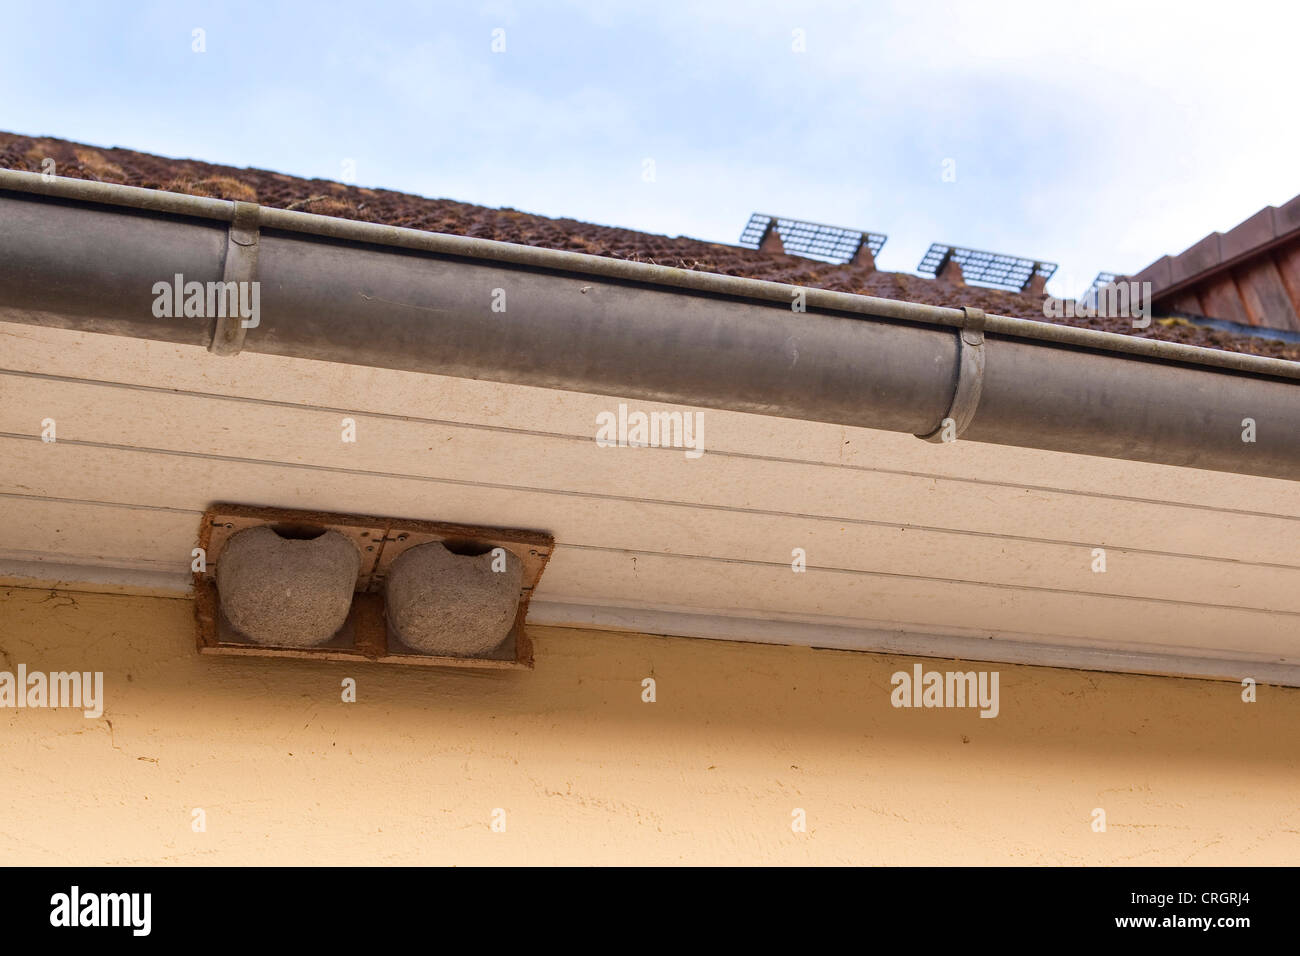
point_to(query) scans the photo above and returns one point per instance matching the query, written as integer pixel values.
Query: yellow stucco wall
(587, 773)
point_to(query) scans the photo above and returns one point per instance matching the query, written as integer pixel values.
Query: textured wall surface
(585, 772)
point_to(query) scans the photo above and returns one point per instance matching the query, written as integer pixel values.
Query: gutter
(86, 256)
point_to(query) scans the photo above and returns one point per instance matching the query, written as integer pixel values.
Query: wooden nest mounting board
(366, 635)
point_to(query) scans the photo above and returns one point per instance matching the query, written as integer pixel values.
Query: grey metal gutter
(82, 255)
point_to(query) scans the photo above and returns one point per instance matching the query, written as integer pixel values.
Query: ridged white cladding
(900, 534)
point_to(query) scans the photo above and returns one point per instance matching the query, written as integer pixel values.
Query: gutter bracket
(241, 266)
(970, 377)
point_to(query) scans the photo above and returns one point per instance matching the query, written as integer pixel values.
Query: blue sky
(1099, 136)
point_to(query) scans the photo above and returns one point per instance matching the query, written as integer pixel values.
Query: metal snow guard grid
(812, 239)
(1103, 279)
(987, 268)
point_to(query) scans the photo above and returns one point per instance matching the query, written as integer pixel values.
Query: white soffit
(954, 550)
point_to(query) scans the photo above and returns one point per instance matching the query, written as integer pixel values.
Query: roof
(328, 198)
(1249, 274)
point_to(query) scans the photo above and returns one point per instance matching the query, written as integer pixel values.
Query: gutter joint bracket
(970, 378)
(240, 266)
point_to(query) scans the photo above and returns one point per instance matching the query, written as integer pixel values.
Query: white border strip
(832, 634)
(1177, 662)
